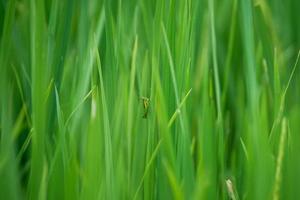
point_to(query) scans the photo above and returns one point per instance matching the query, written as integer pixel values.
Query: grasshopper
(146, 104)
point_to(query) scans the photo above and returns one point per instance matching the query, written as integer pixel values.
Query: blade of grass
(109, 167)
(279, 161)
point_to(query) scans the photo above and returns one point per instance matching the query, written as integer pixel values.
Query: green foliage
(149, 99)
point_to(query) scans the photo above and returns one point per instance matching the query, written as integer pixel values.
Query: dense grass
(149, 99)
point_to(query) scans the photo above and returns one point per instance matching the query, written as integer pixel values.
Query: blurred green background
(149, 99)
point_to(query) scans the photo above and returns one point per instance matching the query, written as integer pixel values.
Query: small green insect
(146, 104)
